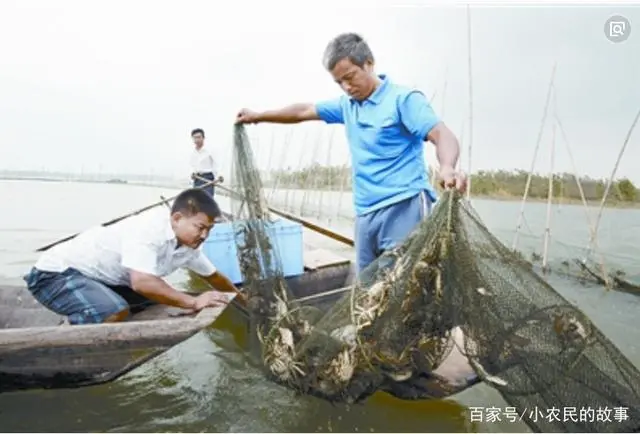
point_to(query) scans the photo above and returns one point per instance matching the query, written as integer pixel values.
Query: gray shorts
(387, 228)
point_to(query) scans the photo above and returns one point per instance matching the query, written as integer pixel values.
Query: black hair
(196, 131)
(194, 200)
(347, 45)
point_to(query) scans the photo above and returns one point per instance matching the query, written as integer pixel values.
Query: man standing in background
(203, 166)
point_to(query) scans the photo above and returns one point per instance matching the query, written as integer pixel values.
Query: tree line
(494, 183)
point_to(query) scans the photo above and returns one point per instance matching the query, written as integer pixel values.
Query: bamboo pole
(470, 102)
(592, 230)
(533, 160)
(547, 230)
(326, 188)
(307, 224)
(610, 182)
(131, 214)
(461, 146)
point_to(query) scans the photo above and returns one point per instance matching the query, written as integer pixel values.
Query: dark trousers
(209, 176)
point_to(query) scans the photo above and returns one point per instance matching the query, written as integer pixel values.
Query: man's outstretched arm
(141, 258)
(201, 265)
(329, 111)
(156, 289)
(291, 114)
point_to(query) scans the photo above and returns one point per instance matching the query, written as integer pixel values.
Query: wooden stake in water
(609, 183)
(327, 187)
(461, 146)
(585, 204)
(547, 230)
(533, 161)
(307, 224)
(343, 186)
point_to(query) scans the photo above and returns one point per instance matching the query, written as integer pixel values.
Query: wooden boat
(36, 351)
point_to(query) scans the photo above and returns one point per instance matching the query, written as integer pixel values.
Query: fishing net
(590, 271)
(451, 306)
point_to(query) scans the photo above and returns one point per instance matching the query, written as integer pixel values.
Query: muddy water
(207, 383)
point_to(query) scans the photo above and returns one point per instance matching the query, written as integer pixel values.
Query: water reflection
(209, 384)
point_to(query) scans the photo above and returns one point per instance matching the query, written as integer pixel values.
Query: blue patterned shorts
(82, 299)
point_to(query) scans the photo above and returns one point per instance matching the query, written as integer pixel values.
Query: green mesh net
(450, 307)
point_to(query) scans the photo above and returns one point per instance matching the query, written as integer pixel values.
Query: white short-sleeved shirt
(145, 243)
(202, 161)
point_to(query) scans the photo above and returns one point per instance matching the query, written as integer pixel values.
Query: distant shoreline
(502, 197)
(505, 197)
(498, 197)
(114, 181)
(559, 201)
(46, 179)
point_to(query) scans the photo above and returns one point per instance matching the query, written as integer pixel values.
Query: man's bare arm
(221, 282)
(291, 114)
(447, 146)
(447, 152)
(156, 289)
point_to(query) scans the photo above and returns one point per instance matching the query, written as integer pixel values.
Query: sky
(117, 86)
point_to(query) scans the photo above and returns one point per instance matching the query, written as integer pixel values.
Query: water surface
(207, 384)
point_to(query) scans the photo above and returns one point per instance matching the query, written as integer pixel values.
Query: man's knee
(95, 303)
(95, 315)
(118, 316)
(364, 242)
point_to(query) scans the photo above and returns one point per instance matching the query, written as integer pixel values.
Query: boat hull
(36, 352)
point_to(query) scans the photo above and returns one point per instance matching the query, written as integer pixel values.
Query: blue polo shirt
(386, 134)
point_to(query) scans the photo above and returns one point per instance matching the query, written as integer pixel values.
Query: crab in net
(278, 345)
(279, 353)
(362, 338)
(449, 308)
(393, 328)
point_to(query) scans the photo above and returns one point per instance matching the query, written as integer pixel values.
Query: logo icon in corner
(617, 28)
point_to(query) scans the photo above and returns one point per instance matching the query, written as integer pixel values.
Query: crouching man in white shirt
(105, 273)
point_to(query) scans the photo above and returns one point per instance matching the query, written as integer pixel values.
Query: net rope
(451, 306)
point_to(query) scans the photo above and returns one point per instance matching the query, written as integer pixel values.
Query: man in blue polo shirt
(386, 125)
